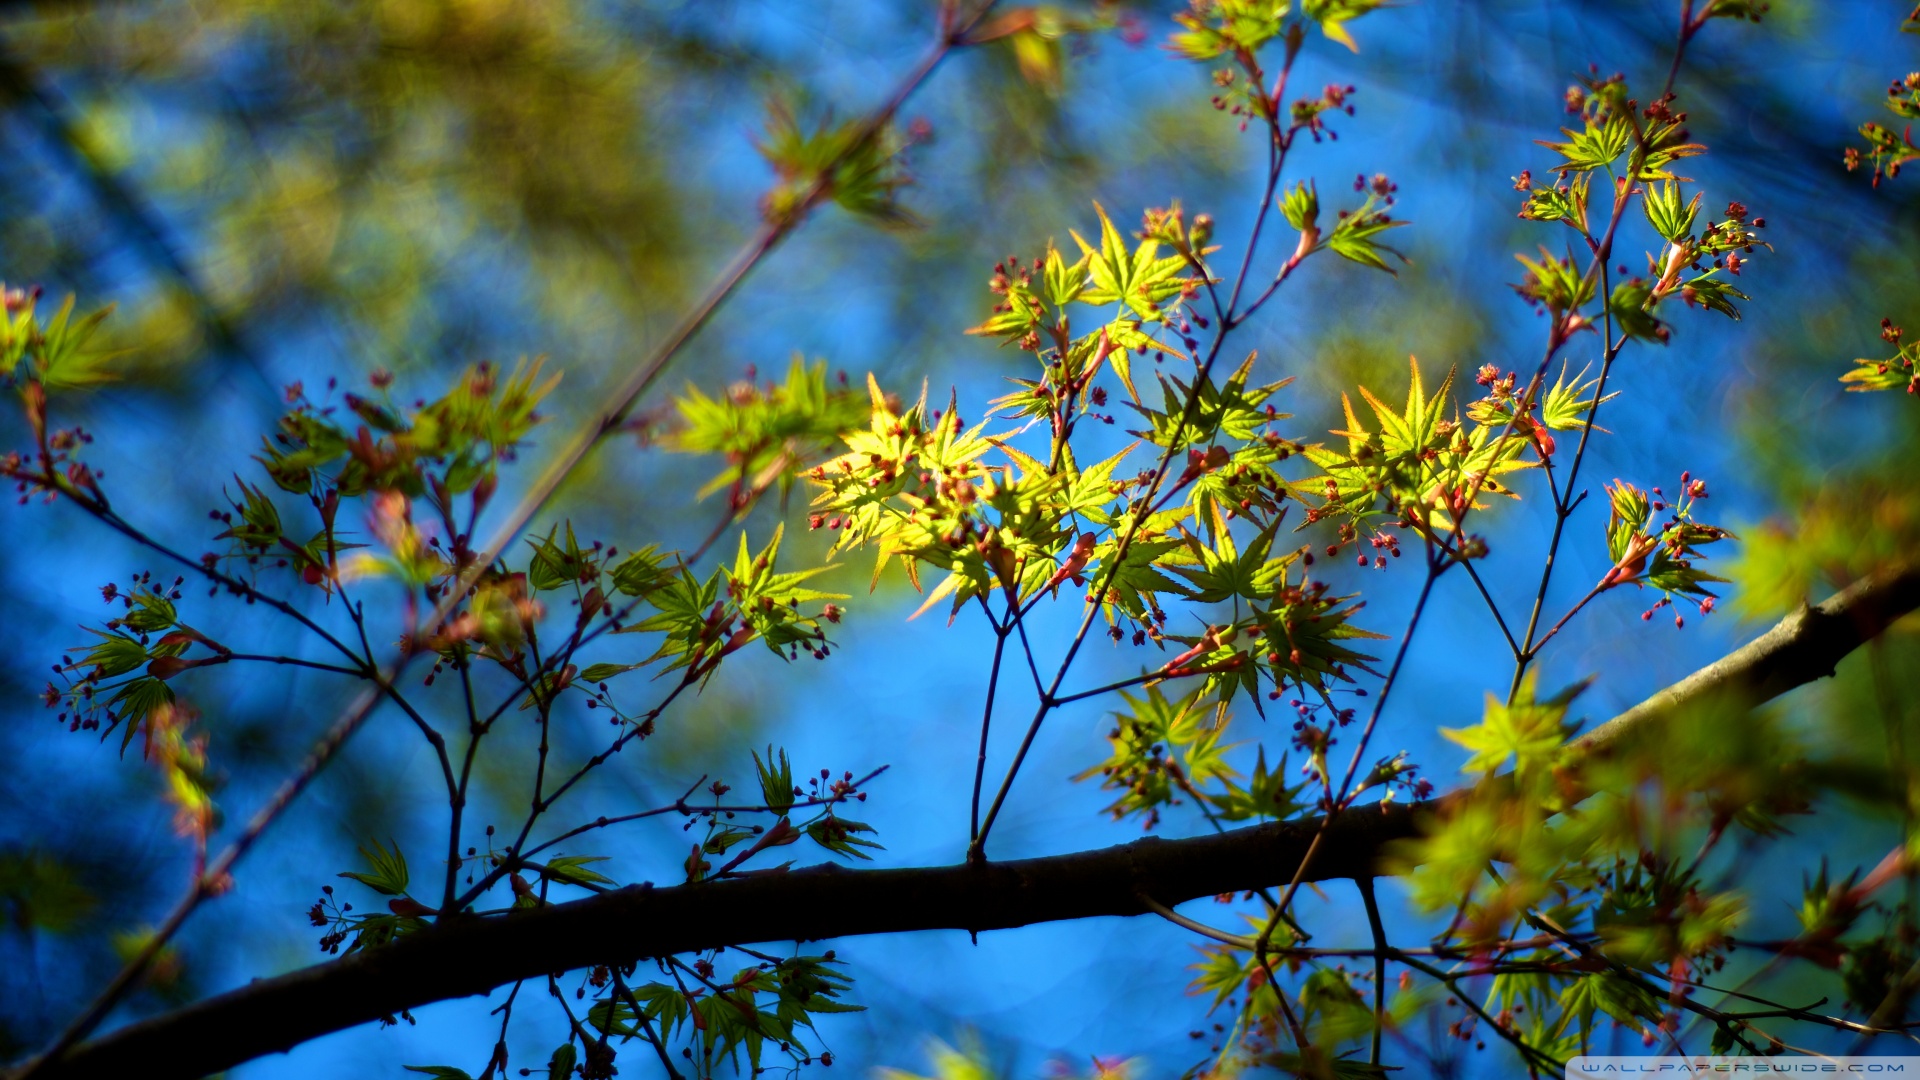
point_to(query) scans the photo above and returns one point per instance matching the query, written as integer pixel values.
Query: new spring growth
(1216, 637)
(1076, 564)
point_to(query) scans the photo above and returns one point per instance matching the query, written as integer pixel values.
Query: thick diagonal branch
(1804, 646)
(472, 957)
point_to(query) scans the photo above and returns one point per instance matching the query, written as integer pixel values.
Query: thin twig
(1277, 149)
(986, 724)
(1380, 945)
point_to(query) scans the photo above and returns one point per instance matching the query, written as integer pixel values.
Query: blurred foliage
(971, 1060)
(352, 154)
(1839, 533)
(40, 894)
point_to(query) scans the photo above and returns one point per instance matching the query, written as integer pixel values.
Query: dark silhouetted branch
(473, 956)
(1804, 646)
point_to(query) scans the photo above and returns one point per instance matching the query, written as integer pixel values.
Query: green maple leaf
(1137, 582)
(1713, 294)
(1139, 280)
(1088, 492)
(1525, 731)
(62, 360)
(769, 601)
(1355, 237)
(1225, 572)
(572, 870)
(682, 606)
(1267, 794)
(1333, 15)
(389, 873)
(1597, 146)
(1411, 432)
(1566, 407)
(1062, 280)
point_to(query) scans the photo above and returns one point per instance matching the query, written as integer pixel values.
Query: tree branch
(1800, 648)
(472, 956)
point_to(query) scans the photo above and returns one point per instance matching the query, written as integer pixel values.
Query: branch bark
(1804, 646)
(472, 956)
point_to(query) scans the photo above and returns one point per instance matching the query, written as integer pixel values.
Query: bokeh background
(276, 191)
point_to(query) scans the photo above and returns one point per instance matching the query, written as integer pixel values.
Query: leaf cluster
(773, 1004)
(767, 434)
